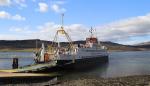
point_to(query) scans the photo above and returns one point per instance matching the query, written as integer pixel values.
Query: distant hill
(18, 44)
(28, 44)
(143, 45)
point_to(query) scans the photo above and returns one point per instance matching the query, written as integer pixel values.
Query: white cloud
(21, 30)
(124, 31)
(56, 8)
(6, 15)
(18, 17)
(60, 2)
(34, 0)
(16, 29)
(47, 32)
(9, 37)
(43, 7)
(21, 3)
(5, 2)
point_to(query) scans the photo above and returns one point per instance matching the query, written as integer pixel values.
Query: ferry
(55, 56)
(73, 55)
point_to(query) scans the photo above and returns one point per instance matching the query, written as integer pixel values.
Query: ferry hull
(79, 64)
(82, 63)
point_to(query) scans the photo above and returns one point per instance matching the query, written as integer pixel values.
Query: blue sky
(121, 21)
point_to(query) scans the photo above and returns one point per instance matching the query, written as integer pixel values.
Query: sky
(120, 21)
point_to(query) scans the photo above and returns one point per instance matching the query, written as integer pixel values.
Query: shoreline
(18, 50)
(135, 80)
(33, 50)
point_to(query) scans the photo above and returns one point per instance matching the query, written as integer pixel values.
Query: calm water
(120, 64)
(26, 58)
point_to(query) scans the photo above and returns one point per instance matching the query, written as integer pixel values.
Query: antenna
(96, 32)
(91, 31)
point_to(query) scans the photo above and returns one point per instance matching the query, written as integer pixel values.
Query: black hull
(86, 63)
(67, 65)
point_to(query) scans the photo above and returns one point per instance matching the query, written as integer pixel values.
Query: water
(120, 64)
(128, 63)
(25, 58)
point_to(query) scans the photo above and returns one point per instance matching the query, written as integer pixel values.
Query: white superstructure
(91, 49)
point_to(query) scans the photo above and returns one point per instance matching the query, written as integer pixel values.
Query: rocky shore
(139, 80)
(142, 80)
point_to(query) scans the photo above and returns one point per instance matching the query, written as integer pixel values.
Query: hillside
(118, 47)
(143, 45)
(18, 44)
(31, 44)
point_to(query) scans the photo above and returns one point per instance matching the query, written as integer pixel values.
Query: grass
(18, 50)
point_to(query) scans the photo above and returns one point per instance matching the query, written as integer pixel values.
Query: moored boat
(73, 55)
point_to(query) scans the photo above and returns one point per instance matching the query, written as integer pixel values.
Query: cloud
(43, 7)
(47, 31)
(59, 2)
(56, 8)
(5, 2)
(9, 37)
(20, 29)
(18, 33)
(34, 0)
(20, 3)
(125, 29)
(6, 15)
(131, 30)
(18, 17)
(16, 29)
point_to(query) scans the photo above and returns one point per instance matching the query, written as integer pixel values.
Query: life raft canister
(46, 57)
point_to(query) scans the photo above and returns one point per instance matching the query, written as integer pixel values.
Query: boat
(56, 56)
(73, 55)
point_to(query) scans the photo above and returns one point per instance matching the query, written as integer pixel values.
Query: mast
(62, 26)
(62, 20)
(91, 31)
(91, 38)
(63, 32)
